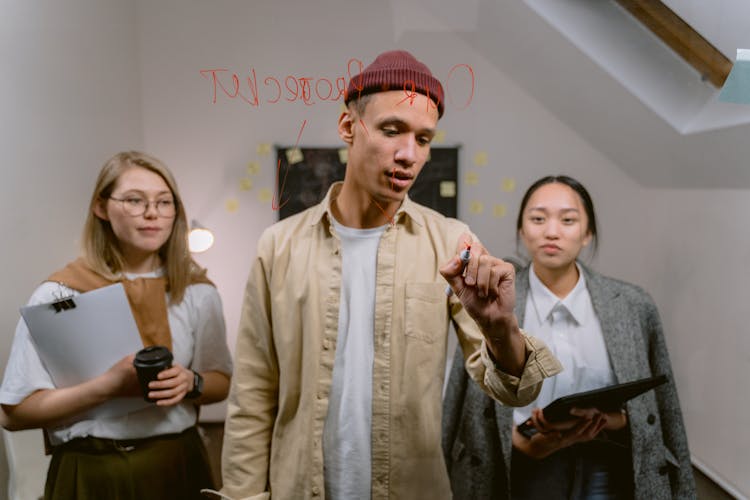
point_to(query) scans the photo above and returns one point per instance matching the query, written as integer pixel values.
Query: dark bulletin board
(307, 181)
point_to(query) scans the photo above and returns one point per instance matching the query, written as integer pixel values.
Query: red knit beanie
(396, 70)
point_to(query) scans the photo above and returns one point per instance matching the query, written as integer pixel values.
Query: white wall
(698, 274)
(70, 99)
(96, 77)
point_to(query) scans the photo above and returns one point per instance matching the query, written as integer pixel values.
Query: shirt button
(326, 344)
(651, 419)
(320, 395)
(315, 491)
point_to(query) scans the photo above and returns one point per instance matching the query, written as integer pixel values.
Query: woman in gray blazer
(604, 331)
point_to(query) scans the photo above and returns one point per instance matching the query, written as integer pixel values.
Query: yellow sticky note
(448, 189)
(476, 207)
(294, 155)
(253, 168)
(480, 159)
(439, 137)
(471, 178)
(264, 195)
(231, 205)
(343, 155)
(499, 210)
(246, 184)
(264, 149)
(508, 184)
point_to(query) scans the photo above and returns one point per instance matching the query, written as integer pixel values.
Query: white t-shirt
(198, 342)
(347, 431)
(571, 330)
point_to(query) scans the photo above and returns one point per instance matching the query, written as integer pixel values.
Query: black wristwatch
(197, 386)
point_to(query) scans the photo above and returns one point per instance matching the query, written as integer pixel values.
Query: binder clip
(63, 303)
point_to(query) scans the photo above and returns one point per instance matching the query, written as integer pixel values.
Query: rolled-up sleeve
(520, 391)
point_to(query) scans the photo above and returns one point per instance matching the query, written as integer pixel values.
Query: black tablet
(606, 399)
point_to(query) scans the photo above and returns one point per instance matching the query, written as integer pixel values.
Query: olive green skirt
(172, 466)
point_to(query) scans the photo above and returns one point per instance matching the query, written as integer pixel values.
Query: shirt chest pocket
(425, 311)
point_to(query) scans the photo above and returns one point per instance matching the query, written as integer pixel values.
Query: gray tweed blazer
(477, 430)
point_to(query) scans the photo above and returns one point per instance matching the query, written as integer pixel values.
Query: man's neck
(357, 209)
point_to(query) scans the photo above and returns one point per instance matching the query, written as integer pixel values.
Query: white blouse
(571, 329)
(198, 342)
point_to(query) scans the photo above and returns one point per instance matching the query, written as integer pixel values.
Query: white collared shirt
(198, 342)
(571, 329)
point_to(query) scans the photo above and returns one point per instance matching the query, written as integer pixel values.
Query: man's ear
(100, 209)
(347, 121)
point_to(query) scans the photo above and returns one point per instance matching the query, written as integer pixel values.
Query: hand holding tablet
(607, 399)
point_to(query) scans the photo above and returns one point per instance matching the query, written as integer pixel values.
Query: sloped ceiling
(725, 23)
(602, 106)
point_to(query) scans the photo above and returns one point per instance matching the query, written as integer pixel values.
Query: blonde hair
(101, 247)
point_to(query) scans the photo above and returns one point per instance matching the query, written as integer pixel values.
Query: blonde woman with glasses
(135, 234)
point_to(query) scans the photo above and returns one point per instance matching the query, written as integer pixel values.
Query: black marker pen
(465, 257)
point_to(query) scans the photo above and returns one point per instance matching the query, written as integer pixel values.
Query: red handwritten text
(276, 205)
(310, 90)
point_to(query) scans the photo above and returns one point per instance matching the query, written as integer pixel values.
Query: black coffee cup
(148, 362)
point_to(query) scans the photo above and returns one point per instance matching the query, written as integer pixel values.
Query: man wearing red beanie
(341, 349)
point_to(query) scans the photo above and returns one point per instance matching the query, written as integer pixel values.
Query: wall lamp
(200, 238)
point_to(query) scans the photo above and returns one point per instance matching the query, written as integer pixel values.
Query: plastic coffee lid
(153, 354)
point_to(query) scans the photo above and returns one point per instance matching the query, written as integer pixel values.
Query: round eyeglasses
(135, 206)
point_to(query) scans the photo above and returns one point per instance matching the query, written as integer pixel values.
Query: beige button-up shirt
(286, 349)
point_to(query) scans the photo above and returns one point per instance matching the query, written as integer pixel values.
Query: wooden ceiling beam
(682, 38)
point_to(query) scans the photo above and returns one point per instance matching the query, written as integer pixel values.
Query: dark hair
(576, 186)
(359, 104)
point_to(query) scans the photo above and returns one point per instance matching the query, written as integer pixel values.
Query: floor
(707, 489)
(213, 432)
